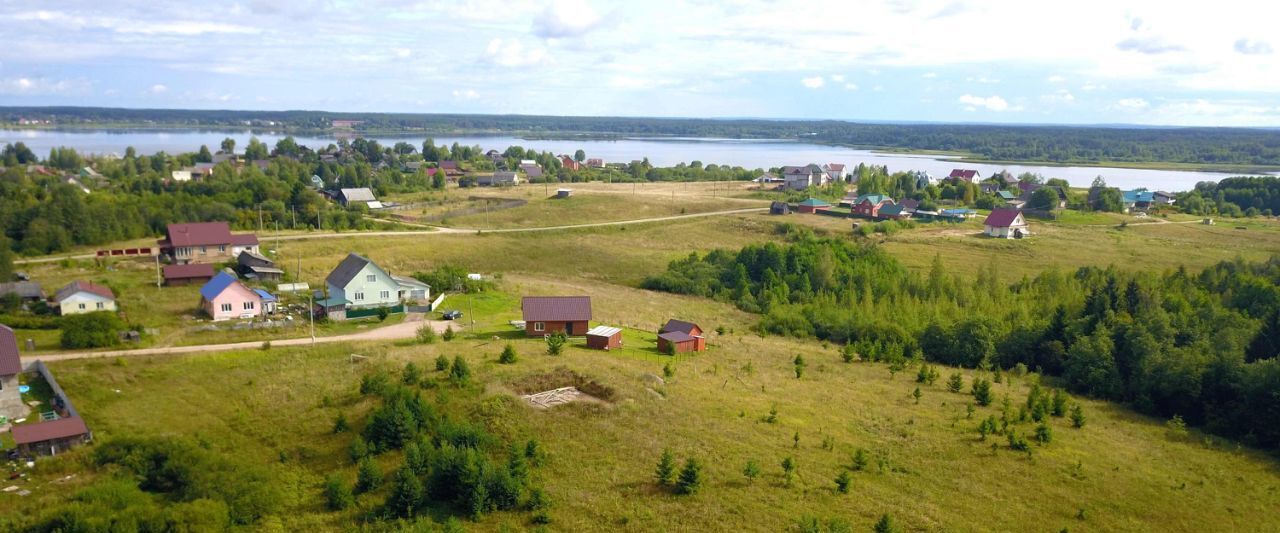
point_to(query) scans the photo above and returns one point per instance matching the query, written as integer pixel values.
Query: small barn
(52, 437)
(544, 315)
(564, 193)
(187, 274)
(678, 336)
(779, 208)
(253, 265)
(812, 205)
(604, 338)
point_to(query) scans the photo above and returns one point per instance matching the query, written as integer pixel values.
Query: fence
(362, 313)
(125, 252)
(44, 372)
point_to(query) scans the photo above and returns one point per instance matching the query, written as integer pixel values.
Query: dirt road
(404, 330)
(438, 230)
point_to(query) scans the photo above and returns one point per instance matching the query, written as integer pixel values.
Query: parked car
(452, 314)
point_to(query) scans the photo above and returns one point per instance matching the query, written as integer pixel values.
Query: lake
(660, 151)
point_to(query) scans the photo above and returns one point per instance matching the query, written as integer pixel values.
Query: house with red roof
(569, 163)
(11, 405)
(187, 274)
(544, 315)
(1006, 224)
(869, 205)
(205, 242)
(967, 175)
(835, 171)
(80, 297)
(678, 336)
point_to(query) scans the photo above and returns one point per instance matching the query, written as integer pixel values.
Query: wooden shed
(604, 338)
(188, 274)
(677, 336)
(50, 438)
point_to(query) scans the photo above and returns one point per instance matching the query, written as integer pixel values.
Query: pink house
(225, 298)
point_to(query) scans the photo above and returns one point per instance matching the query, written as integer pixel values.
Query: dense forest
(1199, 346)
(1249, 196)
(1057, 144)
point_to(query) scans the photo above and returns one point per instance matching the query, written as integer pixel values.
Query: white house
(835, 171)
(366, 285)
(181, 175)
(801, 178)
(350, 197)
(84, 297)
(1006, 224)
(499, 178)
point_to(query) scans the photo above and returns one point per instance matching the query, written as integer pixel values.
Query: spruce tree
(885, 525)
(955, 383)
(788, 469)
(1044, 434)
(690, 477)
(412, 374)
(406, 494)
(842, 482)
(337, 493)
(459, 372)
(666, 471)
(1077, 416)
(508, 355)
(442, 363)
(1059, 403)
(860, 459)
(799, 364)
(368, 475)
(982, 392)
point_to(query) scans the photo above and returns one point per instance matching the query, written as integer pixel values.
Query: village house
(205, 242)
(28, 292)
(361, 196)
(188, 274)
(910, 206)
(11, 405)
(779, 208)
(1006, 224)
(50, 437)
(531, 170)
(768, 178)
(894, 212)
(568, 163)
(604, 338)
(499, 178)
(965, 175)
(80, 297)
(800, 178)
(869, 205)
(835, 171)
(544, 315)
(496, 158)
(812, 205)
(253, 265)
(225, 298)
(450, 168)
(365, 285)
(595, 162)
(182, 175)
(678, 336)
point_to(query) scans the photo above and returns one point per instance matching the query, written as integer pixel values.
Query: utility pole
(259, 218)
(311, 312)
(159, 278)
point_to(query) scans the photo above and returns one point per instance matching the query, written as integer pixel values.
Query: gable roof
(449, 165)
(532, 171)
(83, 286)
(191, 270)
(54, 429)
(1002, 218)
(24, 289)
(891, 210)
(963, 173)
(1006, 195)
(814, 202)
(676, 336)
(1139, 196)
(10, 359)
(834, 166)
(909, 204)
(679, 325)
(348, 269)
(873, 198)
(547, 308)
(199, 234)
(216, 285)
(362, 194)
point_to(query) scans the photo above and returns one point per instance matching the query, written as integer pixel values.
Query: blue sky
(1084, 62)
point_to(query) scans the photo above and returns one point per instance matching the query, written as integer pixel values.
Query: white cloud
(466, 94)
(813, 83)
(1253, 47)
(850, 86)
(566, 18)
(990, 103)
(837, 78)
(511, 53)
(1061, 96)
(401, 53)
(25, 86)
(1091, 86)
(930, 75)
(158, 89)
(981, 79)
(1056, 79)
(1133, 103)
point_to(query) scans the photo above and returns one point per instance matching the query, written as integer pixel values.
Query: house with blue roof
(268, 301)
(225, 298)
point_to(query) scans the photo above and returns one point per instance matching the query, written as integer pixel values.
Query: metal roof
(216, 285)
(362, 194)
(603, 331)
(55, 429)
(10, 359)
(679, 325)
(191, 270)
(347, 270)
(567, 308)
(83, 286)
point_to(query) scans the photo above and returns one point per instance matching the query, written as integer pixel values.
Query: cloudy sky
(1114, 61)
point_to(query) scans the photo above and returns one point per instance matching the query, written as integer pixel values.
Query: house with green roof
(869, 205)
(812, 205)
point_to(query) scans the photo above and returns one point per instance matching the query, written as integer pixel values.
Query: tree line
(1200, 346)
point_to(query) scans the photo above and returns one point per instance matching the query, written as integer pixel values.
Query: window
(248, 306)
(539, 326)
(222, 248)
(385, 295)
(359, 295)
(101, 305)
(226, 308)
(82, 306)
(204, 249)
(371, 278)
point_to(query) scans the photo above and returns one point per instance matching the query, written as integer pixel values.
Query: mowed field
(928, 467)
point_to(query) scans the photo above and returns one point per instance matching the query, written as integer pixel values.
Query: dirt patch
(560, 378)
(560, 396)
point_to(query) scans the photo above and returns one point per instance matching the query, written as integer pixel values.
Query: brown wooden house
(188, 274)
(544, 315)
(52, 437)
(678, 336)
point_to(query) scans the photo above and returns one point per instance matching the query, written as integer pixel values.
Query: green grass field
(928, 469)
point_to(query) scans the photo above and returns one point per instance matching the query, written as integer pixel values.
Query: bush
(799, 366)
(337, 494)
(406, 494)
(374, 383)
(885, 525)
(860, 460)
(1044, 434)
(751, 470)
(448, 333)
(340, 424)
(426, 334)
(91, 330)
(383, 313)
(842, 482)
(442, 363)
(788, 469)
(690, 477)
(411, 374)
(982, 392)
(508, 355)
(955, 383)
(459, 372)
(1077, 416)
